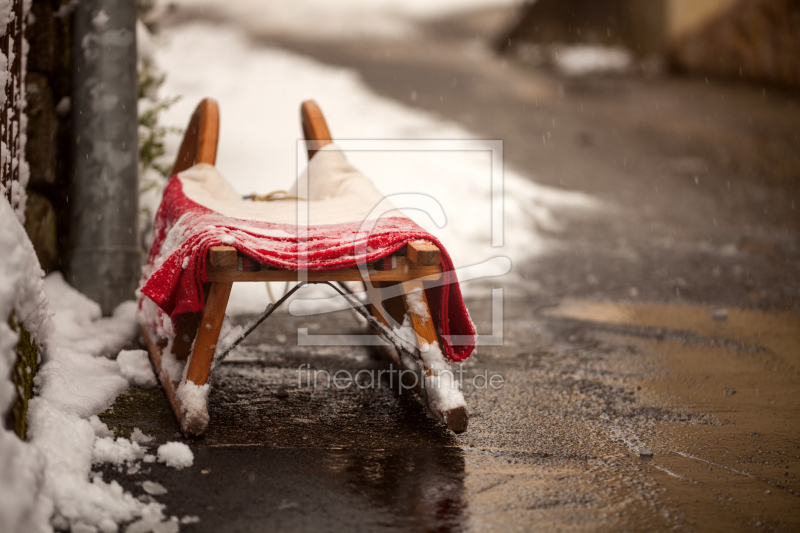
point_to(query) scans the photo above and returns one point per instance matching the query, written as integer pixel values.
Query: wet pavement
(651, 361)
(611, 416)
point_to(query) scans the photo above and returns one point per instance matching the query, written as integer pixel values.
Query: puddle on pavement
(779, 332)
(256, 488)
(743, 471)
(311, 460)
(280, 456)
(553, 494)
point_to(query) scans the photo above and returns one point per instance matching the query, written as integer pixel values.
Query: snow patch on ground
(139, 437)
(23, 503)
(99, 427)
(153, 488)
(76, 381)
(109, 450)
(583, 59)
(176, 455)
(135, 367)
(260, 91)
(342, 19)
(76, 376)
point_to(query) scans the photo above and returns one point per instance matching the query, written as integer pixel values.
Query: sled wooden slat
(185, 334)
(315, 128)
(222, 256)
(457, 418)
(423, 253)
(200, 140)
(170, 387)
(423, 325)
(205, 342)
(405, 270)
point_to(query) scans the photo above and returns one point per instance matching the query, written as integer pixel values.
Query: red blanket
(185, 230)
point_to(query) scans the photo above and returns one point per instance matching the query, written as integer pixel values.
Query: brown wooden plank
(315, 129)
(208, 333)
(222, 256)
(170, 387)
(395, 306)
(456, 419)
(209, 132)
(199, 143)
(423, 325)
(185, 333)
(405, 270)
(187, 330)
(423, 253)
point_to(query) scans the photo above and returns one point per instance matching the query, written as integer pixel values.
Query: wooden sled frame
(197, 333)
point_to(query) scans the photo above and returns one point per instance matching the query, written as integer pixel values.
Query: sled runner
(206, 238)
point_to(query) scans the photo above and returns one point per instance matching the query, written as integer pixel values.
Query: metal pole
(104, 261)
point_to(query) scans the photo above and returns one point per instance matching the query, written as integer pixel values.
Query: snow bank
(260, 127)
(76, 377)
(175, 454)
(342, 19)
(47, 481)
(76, 382)
(23, 504)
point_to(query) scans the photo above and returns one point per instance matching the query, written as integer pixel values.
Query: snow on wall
(14, 170)
(23, 506)
(47, 481)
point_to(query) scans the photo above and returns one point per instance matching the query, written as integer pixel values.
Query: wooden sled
(419, 261)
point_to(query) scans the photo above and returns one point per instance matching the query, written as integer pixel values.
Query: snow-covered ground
(46, 481)
(260, 90)
(339, 19)
(578, 59)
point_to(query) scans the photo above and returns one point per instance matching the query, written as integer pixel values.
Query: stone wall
(755, 39)
(13, 168)
(48, 105)
(636, 24)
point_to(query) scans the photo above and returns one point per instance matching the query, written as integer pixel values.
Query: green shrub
(25, 368)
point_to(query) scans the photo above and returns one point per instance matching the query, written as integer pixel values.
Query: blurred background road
(650, 324)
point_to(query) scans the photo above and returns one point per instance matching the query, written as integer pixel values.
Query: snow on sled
(207, 237)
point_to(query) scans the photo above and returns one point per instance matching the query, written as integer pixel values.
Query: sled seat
(404, 272)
